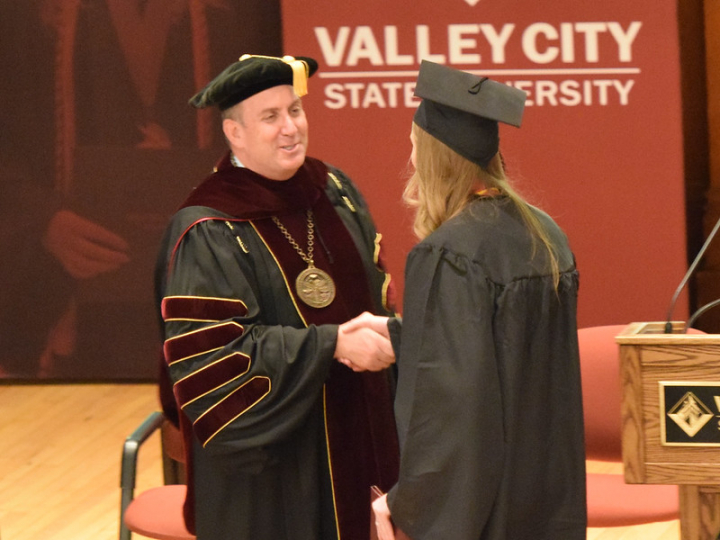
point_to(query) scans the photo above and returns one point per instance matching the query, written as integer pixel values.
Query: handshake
(363, 343)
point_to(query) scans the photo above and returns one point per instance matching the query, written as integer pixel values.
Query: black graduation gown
(286, 440)
(488, 403)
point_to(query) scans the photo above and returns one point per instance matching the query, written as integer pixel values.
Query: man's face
(271, 133)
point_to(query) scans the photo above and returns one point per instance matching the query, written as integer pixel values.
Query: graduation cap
(463, 110)
(252, 74)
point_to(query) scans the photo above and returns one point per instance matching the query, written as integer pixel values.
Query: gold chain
(310, 238)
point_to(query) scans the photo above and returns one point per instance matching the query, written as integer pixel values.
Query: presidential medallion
(315, 287)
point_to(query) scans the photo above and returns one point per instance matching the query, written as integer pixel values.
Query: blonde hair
(444, 182)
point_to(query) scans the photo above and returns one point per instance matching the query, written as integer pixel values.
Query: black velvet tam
(251, 75)
(463, 110)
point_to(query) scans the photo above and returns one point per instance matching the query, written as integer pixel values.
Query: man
(260, 265)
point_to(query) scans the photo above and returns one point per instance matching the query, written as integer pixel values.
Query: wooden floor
(60, 449)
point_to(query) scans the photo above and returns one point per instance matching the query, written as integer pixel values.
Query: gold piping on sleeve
(339, 185)
(179, 319)
(376, 253)
(193, 356)
(335, 179)
(207, 298)
(258, 400)
(349, 204)
(388, 277)
(237, 237)
(190, 375)
(203, 329)
(385, 286)
(235, 300)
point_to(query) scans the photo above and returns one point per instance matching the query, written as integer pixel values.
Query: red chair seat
(157, 513)
(613, 503)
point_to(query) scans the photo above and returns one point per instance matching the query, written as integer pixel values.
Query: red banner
(600, 148)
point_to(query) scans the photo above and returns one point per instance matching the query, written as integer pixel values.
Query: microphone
(698, 258)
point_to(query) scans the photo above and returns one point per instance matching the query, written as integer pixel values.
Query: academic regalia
(286, 441)
(488, 405)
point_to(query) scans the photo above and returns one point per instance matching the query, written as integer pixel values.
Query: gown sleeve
(243, 380)
(448, 403)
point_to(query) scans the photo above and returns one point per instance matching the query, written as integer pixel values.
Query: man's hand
(84, 248)
(363, 348)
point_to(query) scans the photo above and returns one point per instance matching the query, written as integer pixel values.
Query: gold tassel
(300, 75)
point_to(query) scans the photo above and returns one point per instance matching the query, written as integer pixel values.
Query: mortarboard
(252, 74)
(463, 110)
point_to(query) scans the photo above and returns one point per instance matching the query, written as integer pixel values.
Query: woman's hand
(382, 519)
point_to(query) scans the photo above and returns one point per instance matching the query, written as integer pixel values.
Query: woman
(488, 403)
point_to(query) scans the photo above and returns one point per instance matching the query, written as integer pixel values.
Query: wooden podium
(671, 418)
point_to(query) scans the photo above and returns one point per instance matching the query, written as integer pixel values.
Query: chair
(157, 512)
(610, 501)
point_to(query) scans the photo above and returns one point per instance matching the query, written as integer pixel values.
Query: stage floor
(60, 450)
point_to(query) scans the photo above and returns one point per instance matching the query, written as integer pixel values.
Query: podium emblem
(687, 411)
(690, 414)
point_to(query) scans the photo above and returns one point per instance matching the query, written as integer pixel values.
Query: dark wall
(97, 148)
(700, 51)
